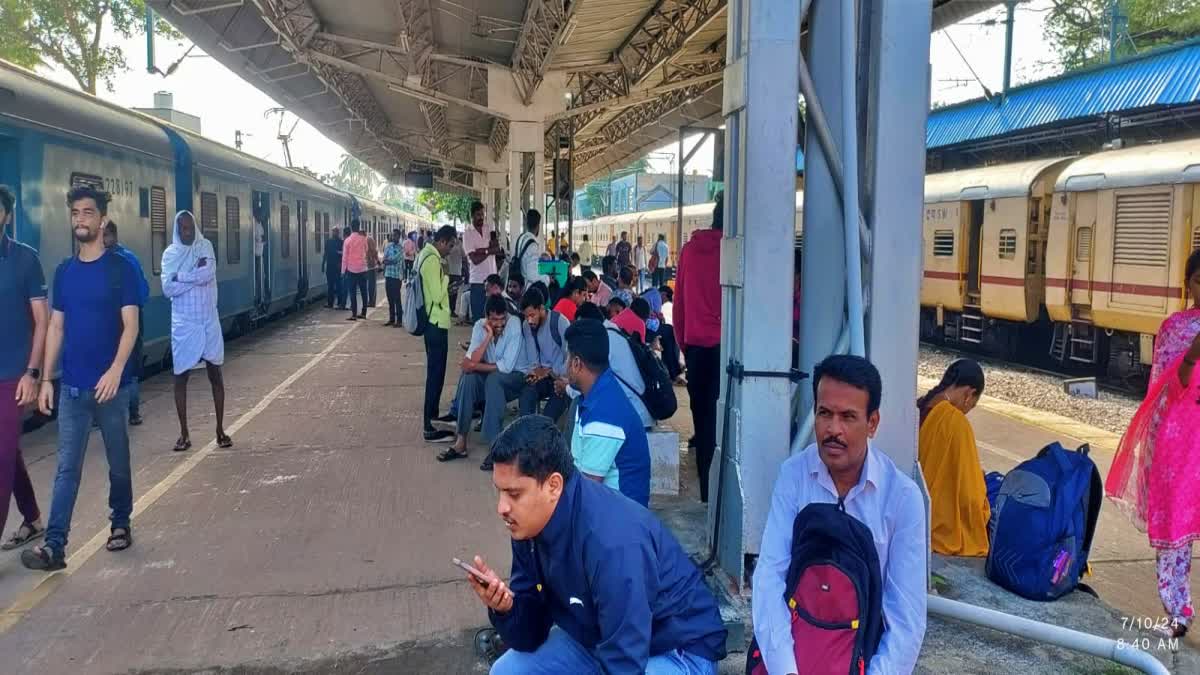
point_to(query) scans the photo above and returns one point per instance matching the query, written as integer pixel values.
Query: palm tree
(355, 176)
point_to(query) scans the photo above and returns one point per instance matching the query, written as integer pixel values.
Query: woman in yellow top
(959, 508)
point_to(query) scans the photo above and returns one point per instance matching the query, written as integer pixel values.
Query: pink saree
(1157, 464)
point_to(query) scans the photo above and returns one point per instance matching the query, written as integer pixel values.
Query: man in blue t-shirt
(94, 326)
(609, 442)
(134, 366)
(23, 306)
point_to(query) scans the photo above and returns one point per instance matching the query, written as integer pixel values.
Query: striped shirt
(393, 258)
(609, 441)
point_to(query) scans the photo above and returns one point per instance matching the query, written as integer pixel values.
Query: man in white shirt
(529, 249)
(842, 465)
(481, 254)
(663, 252)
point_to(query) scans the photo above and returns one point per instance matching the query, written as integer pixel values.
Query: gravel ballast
(1016, 384)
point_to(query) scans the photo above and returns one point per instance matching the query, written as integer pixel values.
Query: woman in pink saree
(1157, 466)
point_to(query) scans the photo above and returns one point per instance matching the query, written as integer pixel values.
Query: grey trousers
(497, 389)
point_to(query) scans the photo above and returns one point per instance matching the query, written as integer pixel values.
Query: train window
(209, 222)
(1083, 244)
(1008, 244)
(285, 232)
(1143, 229)
(158, 227)
(86, 179)
(233, 230)
(1196, 238)
(327, 230)
(317, 232)
(143, 203)
(943, 243)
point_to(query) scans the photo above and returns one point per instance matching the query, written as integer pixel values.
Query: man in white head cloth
(189, 274)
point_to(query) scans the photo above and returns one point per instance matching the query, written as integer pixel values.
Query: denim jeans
(560, 654)
(77, 408)
(135, 396)
(477, 301)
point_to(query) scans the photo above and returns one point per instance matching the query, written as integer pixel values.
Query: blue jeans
(76, 410)
(477, 301)
(135, 396)
(560, 654)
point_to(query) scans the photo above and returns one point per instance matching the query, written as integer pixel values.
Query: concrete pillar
(761, 90)
(824, 314)
(491, 178)
(895, 153)
(514, 196)
(539, 183)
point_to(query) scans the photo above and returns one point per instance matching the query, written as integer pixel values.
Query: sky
(226, 103)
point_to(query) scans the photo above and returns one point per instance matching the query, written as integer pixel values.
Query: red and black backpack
(834, 593)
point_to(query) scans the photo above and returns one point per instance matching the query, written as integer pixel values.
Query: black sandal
(183, 444)
(42, 559)
(17, 540)
(119, 541)
(224, 441)
(450, 454)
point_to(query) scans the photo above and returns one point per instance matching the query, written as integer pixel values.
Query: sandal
(183, 444)
(119, 540)
(224, 441)
(42, 558)
(18, 539)
(450, 454)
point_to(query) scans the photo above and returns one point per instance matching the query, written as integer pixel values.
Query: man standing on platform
(393, 259)
(481, 250)
(112, 243)
(331, 264)
(189, 273)
(585, 254)
(23, 306)
(372, 271)
(94, 327)
(660, 269)
(529, 249)
(698, 331)
(640, 262)
(435, 287)
(623, 251)
(354, 266)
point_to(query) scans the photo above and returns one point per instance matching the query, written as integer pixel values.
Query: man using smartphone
(598, 584)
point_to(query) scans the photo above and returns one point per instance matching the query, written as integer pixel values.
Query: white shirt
(663, 253)
(503, 352)
(639, 257)
(530, 254)
(890, 505)
(473, 240)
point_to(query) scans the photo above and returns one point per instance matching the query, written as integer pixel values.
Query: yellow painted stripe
(1059, 424)
(48, 583)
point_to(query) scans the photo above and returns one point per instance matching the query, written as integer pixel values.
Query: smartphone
(479, 576)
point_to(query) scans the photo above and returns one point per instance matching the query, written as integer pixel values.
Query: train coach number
(936, 214)
(117, 187)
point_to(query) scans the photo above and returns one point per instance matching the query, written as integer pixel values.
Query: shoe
(353, 318)
(390, 323)
(363, 315)
(446, 421)
(439, 436)
(43, 558)
(135, 420)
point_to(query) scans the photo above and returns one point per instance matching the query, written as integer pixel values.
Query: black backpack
(659, 393)
(834, 592)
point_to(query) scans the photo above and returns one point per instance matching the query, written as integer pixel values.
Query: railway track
(1112, 385)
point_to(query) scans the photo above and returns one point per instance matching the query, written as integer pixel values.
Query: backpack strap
(555, 333)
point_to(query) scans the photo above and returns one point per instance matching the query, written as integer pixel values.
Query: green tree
(596, 194)
(1080, 29)
(67, 34)
(457, 206)
(354, 176)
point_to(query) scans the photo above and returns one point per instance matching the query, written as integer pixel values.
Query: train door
(262, 250)
(1083, 228)
(974, 227)
(301, 249)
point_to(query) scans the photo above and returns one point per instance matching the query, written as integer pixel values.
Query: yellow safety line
(29, 599)
(1059, 424)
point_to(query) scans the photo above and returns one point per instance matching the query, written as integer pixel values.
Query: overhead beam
(358, 42)
(639, 97)
(542, 32)
(663, 32)
(403, 86)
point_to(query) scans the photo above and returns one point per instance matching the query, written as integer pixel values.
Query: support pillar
(539, 187)
(514, 196)
(761, 90)
(899, 92)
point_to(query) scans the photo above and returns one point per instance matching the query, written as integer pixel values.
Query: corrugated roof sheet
(1169, 76)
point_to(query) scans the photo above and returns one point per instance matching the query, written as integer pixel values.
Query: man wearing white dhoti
(189, 273)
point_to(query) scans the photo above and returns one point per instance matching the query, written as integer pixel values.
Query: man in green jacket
(435, 286)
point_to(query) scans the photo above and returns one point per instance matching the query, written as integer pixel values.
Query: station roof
(403, 84)
(1163, 77)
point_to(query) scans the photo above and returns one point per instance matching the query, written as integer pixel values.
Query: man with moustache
(94, 325)
(844, 468)
(598, 584)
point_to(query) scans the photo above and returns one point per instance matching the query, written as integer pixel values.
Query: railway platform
(321, 541)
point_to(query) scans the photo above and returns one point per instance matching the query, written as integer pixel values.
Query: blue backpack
(1042, 523)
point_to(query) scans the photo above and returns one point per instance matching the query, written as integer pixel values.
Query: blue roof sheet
(1169, 76)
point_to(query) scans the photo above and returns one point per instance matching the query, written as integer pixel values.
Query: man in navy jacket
(598, 584)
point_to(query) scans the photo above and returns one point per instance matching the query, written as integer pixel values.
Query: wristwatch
(35, 373)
